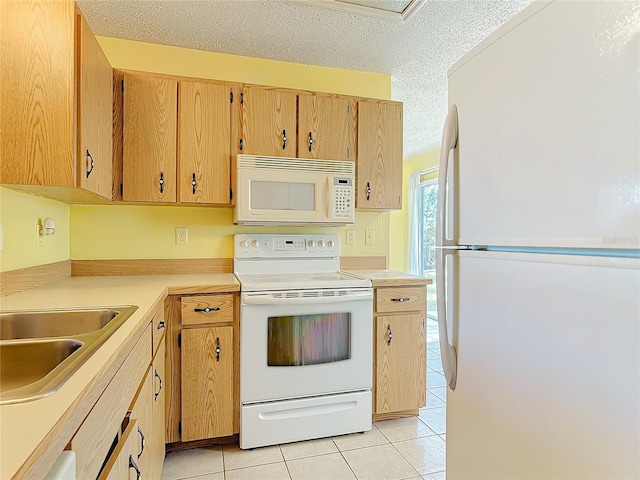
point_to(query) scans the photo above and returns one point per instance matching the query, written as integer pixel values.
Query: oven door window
(309, 339)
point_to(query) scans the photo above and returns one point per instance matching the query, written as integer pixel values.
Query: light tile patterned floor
(407, 448)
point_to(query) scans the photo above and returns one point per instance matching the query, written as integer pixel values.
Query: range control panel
(274, 246)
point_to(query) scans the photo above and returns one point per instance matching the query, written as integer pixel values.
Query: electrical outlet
(182, 236)
(38, 236)
(370, 236)
(351, 237)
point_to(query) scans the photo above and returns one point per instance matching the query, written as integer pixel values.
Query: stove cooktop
(299, 281)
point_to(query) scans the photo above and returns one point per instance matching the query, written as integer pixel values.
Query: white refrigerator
(538, 265)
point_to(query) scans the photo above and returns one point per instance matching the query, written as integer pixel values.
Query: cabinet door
(268, 122)
(37, 92)
(122, 464)
(207, 383)
(379, 164)
(400, 363)
(326, 127)
(204, 143)
(142, 412)
(149, 137)
(95, 104)
(157, 449)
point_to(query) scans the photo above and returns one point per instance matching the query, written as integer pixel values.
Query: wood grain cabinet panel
(207, 382)
(121, 464)
(203, 309)
(379, 164)
(141, 411)
(400, 363)
(157, 445)
(268, 121)
(326, 127)
(403, 299)
(204, 143)
(95, 103)
(37, 91)
(149, 138)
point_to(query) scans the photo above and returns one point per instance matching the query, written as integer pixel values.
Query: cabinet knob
(133, 465)
(161, 182)
(218, 349)
(156, 394)
(284, 139)
(194, 184)
(389, 334)
(141, 442)
(368, 191)
(310, 141)
(400, 299)
(89, 163)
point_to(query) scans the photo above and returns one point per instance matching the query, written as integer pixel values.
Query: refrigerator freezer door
(549, 115)
(548, 368)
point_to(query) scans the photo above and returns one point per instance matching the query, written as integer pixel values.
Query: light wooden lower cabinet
(157, 447)
(207, 382)
(121, 464)
(399, 372)
(141, 412)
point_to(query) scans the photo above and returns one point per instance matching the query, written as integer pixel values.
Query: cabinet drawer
(203, 309)
(404, 299)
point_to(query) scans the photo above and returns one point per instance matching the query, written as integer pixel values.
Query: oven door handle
(268, 300)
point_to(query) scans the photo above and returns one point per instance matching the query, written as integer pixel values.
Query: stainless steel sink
(53, 323)
(41, 349)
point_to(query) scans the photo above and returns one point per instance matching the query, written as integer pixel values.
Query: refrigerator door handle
(447, 351)
(449, 142)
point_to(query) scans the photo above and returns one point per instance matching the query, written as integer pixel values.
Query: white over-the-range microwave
(294, 191)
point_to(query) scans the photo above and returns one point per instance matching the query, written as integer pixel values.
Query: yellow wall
(19, 215)
(132, 231)
(399, 220)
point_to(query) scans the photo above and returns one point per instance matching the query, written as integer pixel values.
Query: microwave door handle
(264, 300)
(330, 200)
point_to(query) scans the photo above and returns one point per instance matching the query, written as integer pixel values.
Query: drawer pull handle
(133, 465)
(368, 191)
(161, 182)
(194, 184)
(160, 325)
(310, 141)
(141, 442)
(218, 349)
(207, 309)
(284, 139)
(156, 394)
(389, 335)
(400, 299)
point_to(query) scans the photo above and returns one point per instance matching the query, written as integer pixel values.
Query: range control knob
(255, 243)
(311, 243)
(321, 243)
(330, 244)
(244, 243)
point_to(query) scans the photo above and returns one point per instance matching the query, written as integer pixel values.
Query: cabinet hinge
(179, 340)
(230, 193)
(180, 428)
(230, 97)
(122, 84)
(241, 98)
(121, 190)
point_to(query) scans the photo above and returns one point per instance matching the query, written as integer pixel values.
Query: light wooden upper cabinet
(379, 164)
(326, 127)
(268, 121)
(95, 100)
(149, 138)
(37, 92)
(204, 142)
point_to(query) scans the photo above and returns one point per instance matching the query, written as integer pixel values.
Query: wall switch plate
(351, 237)
(370, 236)
(182, 236)
(38, 236)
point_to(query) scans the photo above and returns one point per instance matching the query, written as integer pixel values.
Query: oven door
(299, 343)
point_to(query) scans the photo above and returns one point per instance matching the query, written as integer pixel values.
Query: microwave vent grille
(296, 164)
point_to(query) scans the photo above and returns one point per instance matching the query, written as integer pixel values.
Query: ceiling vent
(392, 10)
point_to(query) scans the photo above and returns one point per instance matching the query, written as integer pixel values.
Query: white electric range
(305, 340)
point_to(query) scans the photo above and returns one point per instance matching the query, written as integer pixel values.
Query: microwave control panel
(343, 203)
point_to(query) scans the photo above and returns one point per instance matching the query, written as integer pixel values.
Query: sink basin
(41, 349)
(54, 323)
(24, 363)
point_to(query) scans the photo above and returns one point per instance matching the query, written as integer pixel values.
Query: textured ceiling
(417, 54)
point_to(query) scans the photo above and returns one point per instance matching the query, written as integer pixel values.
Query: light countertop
(390, 278)
(24, 426)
